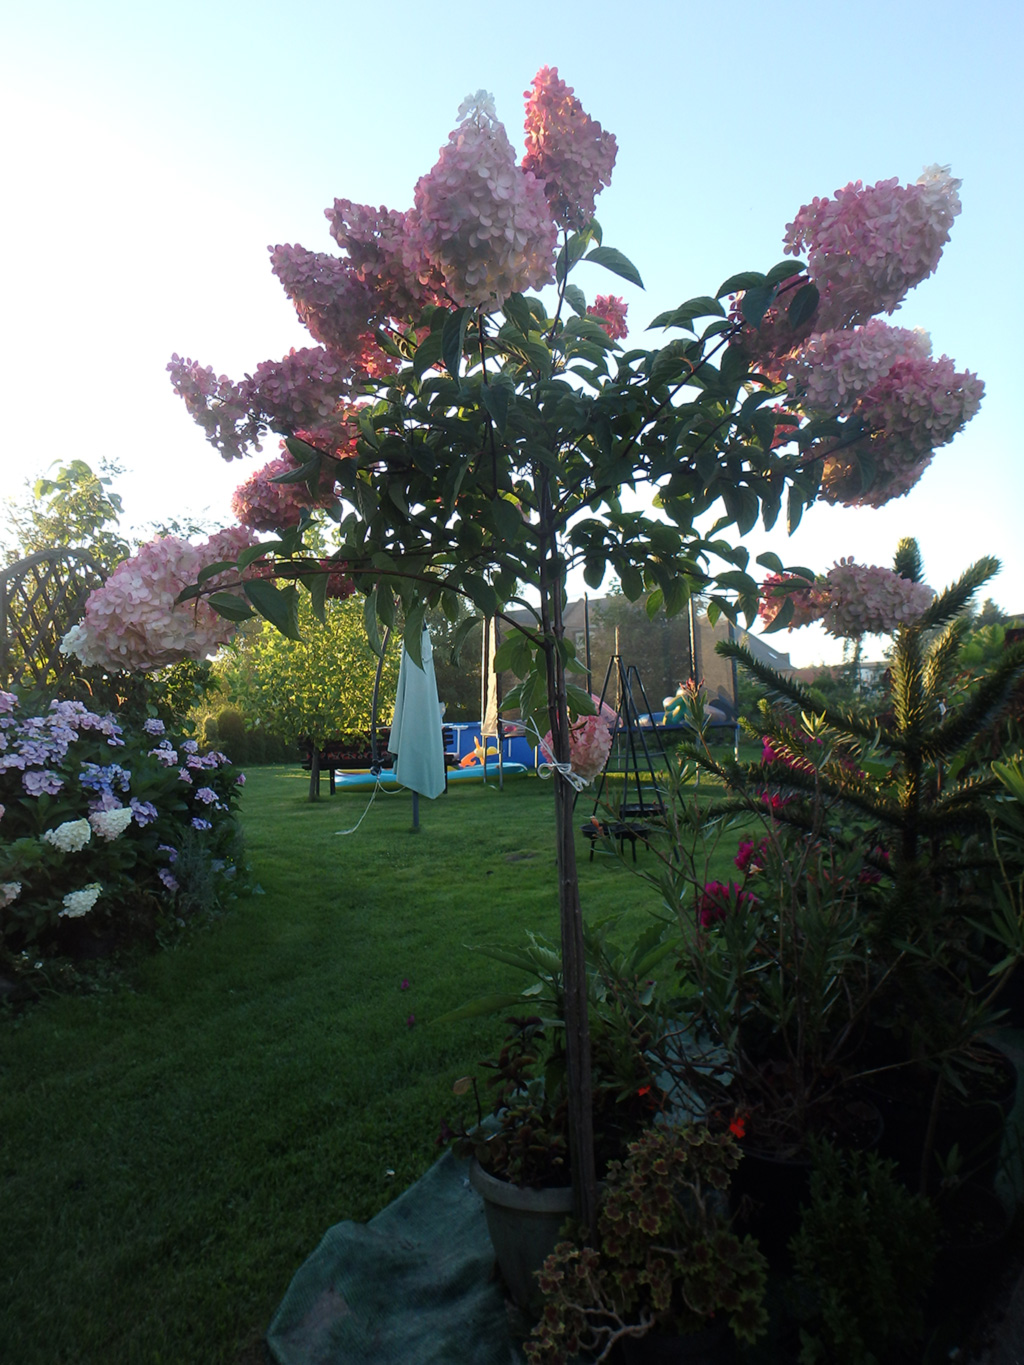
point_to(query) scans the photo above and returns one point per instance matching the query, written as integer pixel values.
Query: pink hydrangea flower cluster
(218, 405)
(835, 370)
(481, 229)
(302, 394)
(481, 219)
(385, 252)
(131, 622)
(868, 599)
(920, 405)
(590, 743)
(263, 505)
(808, 600)
(867, 247)
(852, 599)
(339, 585)
(610, 312)
(568, 151)
(330, 299)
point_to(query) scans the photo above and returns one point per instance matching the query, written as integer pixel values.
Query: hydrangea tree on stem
(480, 437)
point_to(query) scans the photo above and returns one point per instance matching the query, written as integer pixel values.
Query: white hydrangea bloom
(78, 903)
(9, 893)
(70, 836)
(111, 824)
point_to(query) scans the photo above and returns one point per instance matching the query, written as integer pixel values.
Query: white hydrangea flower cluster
(9, 893)
(69, 837)
(79, 903)
(111, 824)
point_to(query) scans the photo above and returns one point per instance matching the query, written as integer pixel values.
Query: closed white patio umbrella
(416, 739)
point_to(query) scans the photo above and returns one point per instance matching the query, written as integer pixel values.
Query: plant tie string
(552, 765)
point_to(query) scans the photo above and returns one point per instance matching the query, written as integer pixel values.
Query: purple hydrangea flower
(36, 783)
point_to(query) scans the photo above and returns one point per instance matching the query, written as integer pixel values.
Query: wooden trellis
(41, 598)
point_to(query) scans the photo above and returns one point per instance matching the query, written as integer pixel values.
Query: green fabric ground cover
(172, 1149)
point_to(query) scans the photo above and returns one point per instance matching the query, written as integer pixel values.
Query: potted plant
(775, 984)
(520, 1150)
(909, 795)
(665, 1264)
(862, 1260)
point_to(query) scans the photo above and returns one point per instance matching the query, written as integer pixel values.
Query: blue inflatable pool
(364, 781)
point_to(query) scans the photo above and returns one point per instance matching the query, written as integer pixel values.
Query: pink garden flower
(921, 404)
(263, 505)
(131, 623)
(385, 252)
(868, 599)
(569, 153)
(610, 312)
(718, 898)
(833, 371)
(590, 743)
(808, 600)
(867, 247)
(480, 219)
(750, 856)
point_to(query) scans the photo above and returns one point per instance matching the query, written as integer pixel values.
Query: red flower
(738, 1125)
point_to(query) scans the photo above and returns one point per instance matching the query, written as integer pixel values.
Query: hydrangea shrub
(93, 819)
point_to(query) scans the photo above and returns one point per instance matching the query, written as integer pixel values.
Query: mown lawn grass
(173, 1148)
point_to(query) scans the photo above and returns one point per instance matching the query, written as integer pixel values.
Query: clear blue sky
(152, 154)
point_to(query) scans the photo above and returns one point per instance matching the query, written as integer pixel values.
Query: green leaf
(593, 572)
(770, 561)
(212, 569)
(453, 338)
(495, 399)
(570, 254)
(370, 622)
(802, 309)
(631, 580)
(228, 605)
(615, 262)
(580, 702)
(756, 302)
(253, 552)
(783, 271)
(412, 636)
(737, 284)
(301, 450)
(428, 353)
(303, 473)
(794, 510)
(279, 606)
(655, 600)
(508, 520)
(576, 299)
(480, 593)
(317, 585)
(514, 655)
(517, 310)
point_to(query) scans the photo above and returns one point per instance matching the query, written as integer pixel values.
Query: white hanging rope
(552, 765)
(378, 787)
